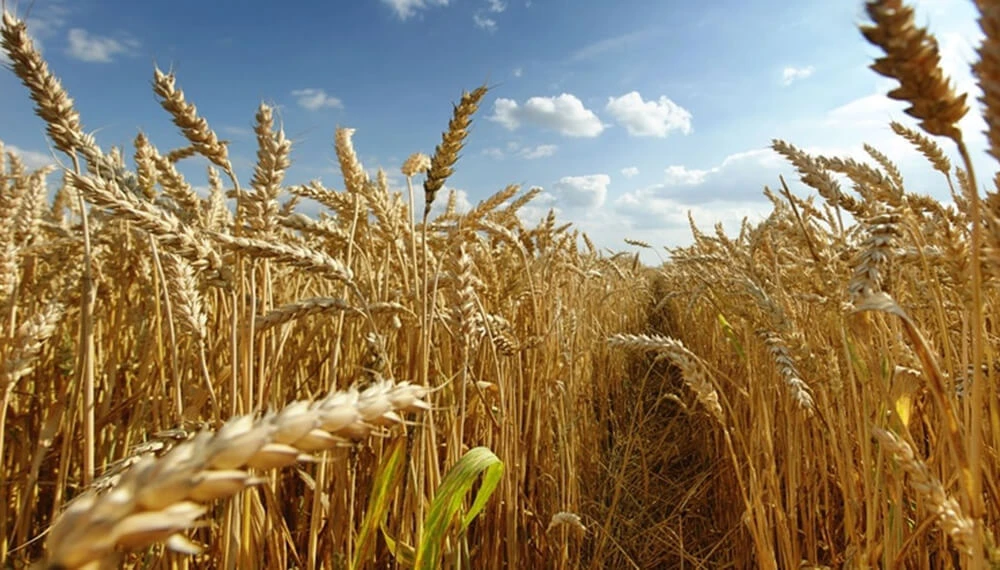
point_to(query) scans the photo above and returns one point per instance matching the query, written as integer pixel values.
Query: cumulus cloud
(875, 110)
(497, 6)
(540, 151)
(32, 159)
(97, 49)
(683, 176)
(582, 192)
(739, 177)
(526, 152)
(791, 74)
(485, 23)
(647, 213)
(565, 114)
(518, 72)
(462, 202)
(607, 45)
(316, 99)
(406, 8)
(630, 171)
(649, 118)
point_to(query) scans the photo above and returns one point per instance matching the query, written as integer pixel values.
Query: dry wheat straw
(178, 189)
(184, 296)
(354, 173)
(987, 70)
(875, 253)
(416, 163)
(217, 214)
(816, 176)
(801, 392)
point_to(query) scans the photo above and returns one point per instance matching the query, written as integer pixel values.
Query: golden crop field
(223, 381)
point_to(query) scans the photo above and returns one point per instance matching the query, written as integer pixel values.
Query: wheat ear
(452, 141)
(158, 498)
(949, 513)
(912, 58)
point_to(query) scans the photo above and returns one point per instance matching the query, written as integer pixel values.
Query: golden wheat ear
(158, 498)
(452, 141)
(912, 58)
(987, 70)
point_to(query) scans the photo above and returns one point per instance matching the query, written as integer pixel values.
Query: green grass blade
(378, 504)
(448, 501)
(403, 552)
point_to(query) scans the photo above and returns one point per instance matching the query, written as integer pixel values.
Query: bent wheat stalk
(158, 498)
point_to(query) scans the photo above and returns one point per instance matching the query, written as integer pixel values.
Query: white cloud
(875, 110)
(739, 177)
(565, 114)
(32, 159)
(236, 131)
(462, 202)
(791, 74)
(497, 6)
(407, 8)
(96, 49)
(630, 171)
(583, 192)
(649, 213)
(484, 23)
(683, 176)
(518, 72)
(316, 99)
(726, 193)
(649, 118)
(609, 44)
(540, 151)
(494, 153)
(528, 152)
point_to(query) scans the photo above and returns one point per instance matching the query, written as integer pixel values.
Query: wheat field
(224, 381)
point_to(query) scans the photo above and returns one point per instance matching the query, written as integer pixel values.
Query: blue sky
(628, 113)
